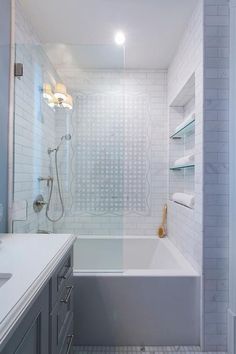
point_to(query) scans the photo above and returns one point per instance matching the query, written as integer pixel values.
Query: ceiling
(153, 29)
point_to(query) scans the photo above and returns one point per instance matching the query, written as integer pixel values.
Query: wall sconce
(58, 98)
(47, 91)
(52, 102)
(68, 103)
(60, 92)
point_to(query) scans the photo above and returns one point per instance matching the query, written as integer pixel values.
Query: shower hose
(59, 192)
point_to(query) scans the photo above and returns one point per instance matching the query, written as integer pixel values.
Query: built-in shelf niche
(182, 141)
(187, 129)
(176, 168)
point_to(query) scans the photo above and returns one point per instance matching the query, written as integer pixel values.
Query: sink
(4, 277)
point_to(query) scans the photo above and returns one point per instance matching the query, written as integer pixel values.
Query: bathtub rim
(131, 273)
(190, 271)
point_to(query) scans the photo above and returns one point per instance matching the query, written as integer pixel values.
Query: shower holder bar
(47, 179)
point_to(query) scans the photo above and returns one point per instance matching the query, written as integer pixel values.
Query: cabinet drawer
(67, 347)
(60, 317)
(60, 277)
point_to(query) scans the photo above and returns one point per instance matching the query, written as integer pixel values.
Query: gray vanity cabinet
(32, 333)
(61, 314)
(47, 326)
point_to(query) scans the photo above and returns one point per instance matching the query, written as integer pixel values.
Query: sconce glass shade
(68, 103)
(60, 92)
(47, 91)
(52, 102)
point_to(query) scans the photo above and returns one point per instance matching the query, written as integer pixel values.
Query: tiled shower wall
(119, 132)
(216, 173)
(34, 127)
(212, 27)
(185, 225)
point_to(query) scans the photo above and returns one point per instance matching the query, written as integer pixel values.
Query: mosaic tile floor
(140, 350)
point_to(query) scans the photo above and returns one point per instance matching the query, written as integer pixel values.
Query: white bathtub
(134, 291)
(131, 256)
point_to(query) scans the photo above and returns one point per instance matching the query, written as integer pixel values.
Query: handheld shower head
(66, 137)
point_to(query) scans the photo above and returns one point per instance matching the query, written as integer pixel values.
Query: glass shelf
(176, 168)
(186, 130)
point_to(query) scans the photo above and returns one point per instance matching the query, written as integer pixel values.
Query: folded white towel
(185, 160)
(184, 199)
(189, 119)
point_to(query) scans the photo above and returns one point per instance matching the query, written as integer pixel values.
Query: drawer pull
(63, 277)
(67, 272)
(68, 294)
(70, 338)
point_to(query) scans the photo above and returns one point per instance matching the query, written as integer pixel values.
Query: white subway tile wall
(216, 172)
(34, 125)
(185, 226)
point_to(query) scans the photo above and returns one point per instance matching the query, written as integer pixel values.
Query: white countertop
(30, 258)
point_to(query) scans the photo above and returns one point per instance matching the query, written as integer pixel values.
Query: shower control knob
(39, 203)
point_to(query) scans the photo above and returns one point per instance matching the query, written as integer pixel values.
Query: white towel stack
(188, 120)
(185, 160)
(185, 199)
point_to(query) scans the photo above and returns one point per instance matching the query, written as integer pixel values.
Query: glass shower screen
(91, 165)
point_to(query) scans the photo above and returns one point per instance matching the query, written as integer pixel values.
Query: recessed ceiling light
(120, 38)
